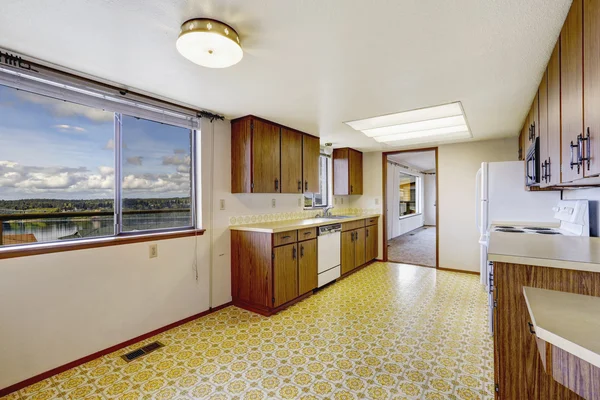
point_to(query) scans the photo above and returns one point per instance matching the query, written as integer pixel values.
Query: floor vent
(142, 351)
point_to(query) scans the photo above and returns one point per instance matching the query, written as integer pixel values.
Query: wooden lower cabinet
(519, 370)
(285, 274)
(371, 243)
(359, 241)
(307, 266)
(348, 252)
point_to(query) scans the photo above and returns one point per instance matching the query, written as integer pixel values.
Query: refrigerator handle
(477, 200)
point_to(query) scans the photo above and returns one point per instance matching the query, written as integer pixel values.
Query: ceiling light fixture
(444, 122)
(209, 43)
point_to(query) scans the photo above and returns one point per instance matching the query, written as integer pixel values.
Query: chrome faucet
(327, 211)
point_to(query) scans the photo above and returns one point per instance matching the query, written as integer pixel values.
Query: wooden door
(307, 266)
(359, 239)
(285, 274)
(311, 150)
(553, 127)
(591, 84)
(371, 243)
(291, 161)
(348, 251)
(266, 157)
(341, 172)
(543, 126)
(571, 73)
(356, 172)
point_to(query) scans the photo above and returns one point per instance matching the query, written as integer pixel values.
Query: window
(320, 199)
(60, 154)
(409, 189)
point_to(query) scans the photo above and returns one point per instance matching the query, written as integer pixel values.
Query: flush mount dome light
(209, 43)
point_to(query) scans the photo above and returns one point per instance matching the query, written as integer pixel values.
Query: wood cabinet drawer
(372, 221)
(348, 226)
(306, 234)
(282, 238)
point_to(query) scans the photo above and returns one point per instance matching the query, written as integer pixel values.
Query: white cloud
(176, 160)
(106, 171)
(66, 109)
(135, 160)
(69, 128)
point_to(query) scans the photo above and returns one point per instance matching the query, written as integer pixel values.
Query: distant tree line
(58, 205)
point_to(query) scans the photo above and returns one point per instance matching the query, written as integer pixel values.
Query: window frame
(48, 82)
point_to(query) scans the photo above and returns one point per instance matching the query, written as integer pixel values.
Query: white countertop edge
(568, 346)
(544, 262)
(296, 224)
(560, 342)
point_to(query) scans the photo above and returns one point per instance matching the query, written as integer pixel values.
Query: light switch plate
(153, 250)
(273, 204)
(222, 204)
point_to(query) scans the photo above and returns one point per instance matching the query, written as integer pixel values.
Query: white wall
(429, 199)
(457, 166)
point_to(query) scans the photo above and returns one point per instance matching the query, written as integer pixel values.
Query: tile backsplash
(284, 216)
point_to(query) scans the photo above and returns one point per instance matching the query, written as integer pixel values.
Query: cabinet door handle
(299, 186)
(533, 131)
(286, 237)
(366, 233)
(306, 186)
(549, 170)
(294, 253)
(531, 328)
(301, 251)
(572, 163)
(276, 184)
(351, 189)
(588, 151)
(543, 167)
(307, 233)
(352, 236)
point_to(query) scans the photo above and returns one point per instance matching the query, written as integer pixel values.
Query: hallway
(415, 247)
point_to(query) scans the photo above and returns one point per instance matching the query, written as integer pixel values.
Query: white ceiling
(310, 64)
(421, 160)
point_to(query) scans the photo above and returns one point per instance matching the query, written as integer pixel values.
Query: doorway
(411, 207)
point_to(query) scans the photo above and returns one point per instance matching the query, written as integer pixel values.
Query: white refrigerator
(502, 198)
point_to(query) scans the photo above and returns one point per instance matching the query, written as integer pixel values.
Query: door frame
(384, 160)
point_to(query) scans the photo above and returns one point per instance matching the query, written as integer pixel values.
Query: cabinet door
(285, 274)
(307, 266)
(266, 160)
(543, 126)
(535, 117)
(553, 144)
(341, 170)
(359, 240)
(356, 172)
(371, 242)
(241, 156)
(523, 142)
(571, 73)
(591, 82)
(348, 251)
(310, 163)
(291, 161)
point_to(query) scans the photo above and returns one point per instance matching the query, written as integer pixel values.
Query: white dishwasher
(329, 253)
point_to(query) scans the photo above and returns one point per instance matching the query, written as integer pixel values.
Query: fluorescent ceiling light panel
(431, 139)
(428, 124)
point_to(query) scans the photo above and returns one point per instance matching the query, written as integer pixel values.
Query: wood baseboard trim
(45, 375)
(459, 270)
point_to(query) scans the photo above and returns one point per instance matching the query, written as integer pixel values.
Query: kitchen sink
(337, 216)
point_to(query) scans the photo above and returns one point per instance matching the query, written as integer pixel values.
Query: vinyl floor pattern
(385, 332)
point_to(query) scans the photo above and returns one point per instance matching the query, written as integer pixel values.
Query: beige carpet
(415, 247)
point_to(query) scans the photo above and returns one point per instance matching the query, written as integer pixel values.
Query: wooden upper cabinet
(291, 161)
(307, 266)
(347, 172)
(266, 157)
(311, 150)
(571, 74)
(591, 91)
(553, 144)
(543, 126)
(535, 121)
(241, 156)
(285, 274)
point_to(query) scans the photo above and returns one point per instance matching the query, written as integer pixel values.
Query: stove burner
(505, 227)
(537, 228)
(511, 230)
(548, 233)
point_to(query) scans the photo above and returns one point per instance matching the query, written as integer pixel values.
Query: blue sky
(55, 149)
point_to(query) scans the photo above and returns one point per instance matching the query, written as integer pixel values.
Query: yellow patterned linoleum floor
(385, 332)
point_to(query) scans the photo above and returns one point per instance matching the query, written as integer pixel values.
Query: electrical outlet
(335, 200)
(342, 200)
(153, 250)
(273, 204)
(222, 204)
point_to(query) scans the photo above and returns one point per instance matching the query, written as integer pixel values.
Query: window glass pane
(156, 187)
(56, 158)
(320, 198)
(408, 194)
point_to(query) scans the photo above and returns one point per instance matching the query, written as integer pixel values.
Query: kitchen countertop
(568, 321)
(292, 224)
(579, 253)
